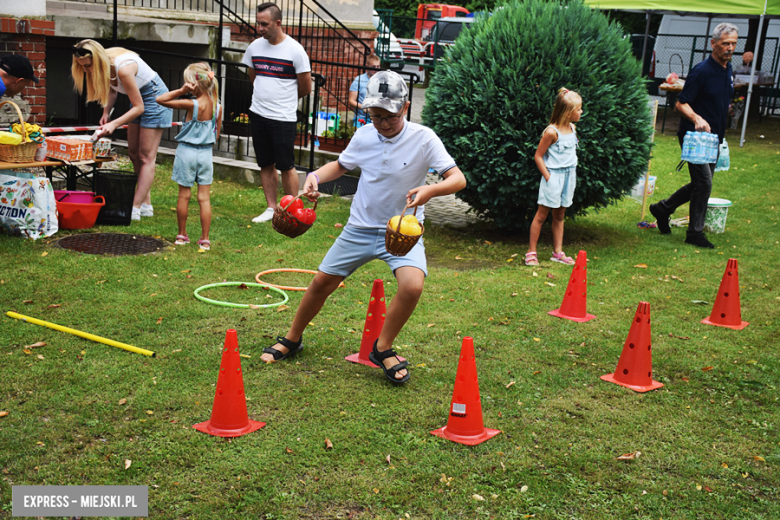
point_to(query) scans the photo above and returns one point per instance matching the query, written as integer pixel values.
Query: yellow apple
(410, 226)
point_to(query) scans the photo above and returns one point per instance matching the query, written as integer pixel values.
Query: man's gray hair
(723, 28)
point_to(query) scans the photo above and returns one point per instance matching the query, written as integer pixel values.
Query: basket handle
(398, 228)
(96, 197)
(21, 120)
(299, 197)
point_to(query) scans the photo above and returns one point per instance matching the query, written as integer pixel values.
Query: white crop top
(144, 75)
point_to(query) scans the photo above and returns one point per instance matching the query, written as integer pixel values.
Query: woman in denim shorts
(117, 70)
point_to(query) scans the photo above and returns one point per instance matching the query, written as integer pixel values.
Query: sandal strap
(381, 355)
(277, 354)
(393, 370)
(533, 253)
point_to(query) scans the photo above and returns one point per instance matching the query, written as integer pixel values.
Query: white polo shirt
(389, 169)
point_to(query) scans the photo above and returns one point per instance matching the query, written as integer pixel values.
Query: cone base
(206, 427)
(741, 326)
(557, 313)
(654, 385)
(468, 440)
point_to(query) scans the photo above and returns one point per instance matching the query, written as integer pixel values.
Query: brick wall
(28, 37)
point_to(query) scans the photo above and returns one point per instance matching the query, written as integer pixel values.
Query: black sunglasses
(81, 51)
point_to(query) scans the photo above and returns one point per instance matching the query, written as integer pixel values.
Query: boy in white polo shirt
(394, 156)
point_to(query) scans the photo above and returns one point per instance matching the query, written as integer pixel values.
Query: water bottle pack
(700, 148)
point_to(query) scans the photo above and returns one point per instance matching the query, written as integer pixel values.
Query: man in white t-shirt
(280, 73)
(394, 156)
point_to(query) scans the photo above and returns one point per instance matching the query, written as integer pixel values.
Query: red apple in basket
(309, 216)
(298, 213)
(298, 204)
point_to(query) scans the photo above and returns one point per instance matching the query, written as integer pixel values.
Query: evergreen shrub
(492, 97)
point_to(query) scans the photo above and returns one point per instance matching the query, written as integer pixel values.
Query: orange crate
(68, 149)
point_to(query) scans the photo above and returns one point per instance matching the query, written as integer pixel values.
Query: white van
(683, 41)
(386, 45)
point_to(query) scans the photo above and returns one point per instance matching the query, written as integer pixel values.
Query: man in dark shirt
(703, 104)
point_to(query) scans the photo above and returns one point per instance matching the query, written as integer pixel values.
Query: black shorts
(274, 142)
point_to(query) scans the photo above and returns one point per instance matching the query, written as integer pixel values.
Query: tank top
(196, 132)
(563, 152)
(144, 75)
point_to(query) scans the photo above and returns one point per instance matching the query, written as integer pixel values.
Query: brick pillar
(28, 37)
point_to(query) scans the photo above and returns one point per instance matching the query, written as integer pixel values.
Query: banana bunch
(34, 132)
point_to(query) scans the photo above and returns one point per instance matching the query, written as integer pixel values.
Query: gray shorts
(193, 163)
(358, 246)
(558, 192)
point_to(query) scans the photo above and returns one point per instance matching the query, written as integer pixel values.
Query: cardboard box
(68, 149)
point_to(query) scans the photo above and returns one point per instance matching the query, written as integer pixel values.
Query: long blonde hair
(201, 75)
(566, 103)
(99, 80)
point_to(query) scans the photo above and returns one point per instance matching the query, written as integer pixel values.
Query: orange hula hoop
(284, 287)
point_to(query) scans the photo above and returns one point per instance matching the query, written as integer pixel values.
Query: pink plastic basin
(74, 197)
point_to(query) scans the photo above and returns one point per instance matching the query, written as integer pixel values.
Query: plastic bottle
(40, 152)
(724, 160)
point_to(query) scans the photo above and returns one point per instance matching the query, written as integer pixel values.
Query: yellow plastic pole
(84, 335)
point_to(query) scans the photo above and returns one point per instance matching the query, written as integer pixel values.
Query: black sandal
(377, 357)
(293, 347)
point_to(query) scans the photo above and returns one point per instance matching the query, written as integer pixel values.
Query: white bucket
(715, 218)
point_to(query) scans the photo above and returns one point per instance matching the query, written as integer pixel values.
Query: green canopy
(728, 7)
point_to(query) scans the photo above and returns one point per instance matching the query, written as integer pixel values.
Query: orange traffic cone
(635, 367)
(228, 416)
(574, 306)
(727, 311)
(375, 320)
(465, 424)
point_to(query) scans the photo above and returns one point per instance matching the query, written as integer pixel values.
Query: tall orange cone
(228, 416)
(727, 311)
(465, 424)
(635, 367)
(574, 306)
(375, 320)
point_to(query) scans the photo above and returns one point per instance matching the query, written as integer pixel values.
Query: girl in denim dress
(556, 158)
(194, 161)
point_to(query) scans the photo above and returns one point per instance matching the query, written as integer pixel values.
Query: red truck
(429, 14)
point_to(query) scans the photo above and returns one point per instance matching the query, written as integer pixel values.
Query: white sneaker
(265, 216)
(147, 210)
(136, 214)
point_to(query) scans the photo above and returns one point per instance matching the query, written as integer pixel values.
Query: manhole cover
(111, 244)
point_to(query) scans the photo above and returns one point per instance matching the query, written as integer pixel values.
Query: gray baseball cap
(386, 89)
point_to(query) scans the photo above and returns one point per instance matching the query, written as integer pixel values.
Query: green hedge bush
(492, 96)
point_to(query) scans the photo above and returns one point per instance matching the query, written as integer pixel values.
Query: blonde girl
(556, 158)
(107, 72)
(201, 129)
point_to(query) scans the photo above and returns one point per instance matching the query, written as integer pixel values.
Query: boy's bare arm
(454, 181)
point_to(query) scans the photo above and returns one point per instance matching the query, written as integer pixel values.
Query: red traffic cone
(575, 300)
(375, 320)
(228, 416)
(727, 311)
(635, 367)
(465, 424)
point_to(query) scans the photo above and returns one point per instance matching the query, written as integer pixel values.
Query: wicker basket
(288, 225)
(18, 153)
(398, 244)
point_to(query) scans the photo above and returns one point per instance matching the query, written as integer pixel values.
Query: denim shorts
(193, 163)
(155, 115)
(274, 142)
(558, 192)
(358, 246)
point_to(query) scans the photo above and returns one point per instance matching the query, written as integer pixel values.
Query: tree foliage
(493, 93)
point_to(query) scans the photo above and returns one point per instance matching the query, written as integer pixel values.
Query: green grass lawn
(709, 442)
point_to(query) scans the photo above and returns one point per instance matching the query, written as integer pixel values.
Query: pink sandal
(204, 244)
(531, 259)
(182, 240)
(561, 258)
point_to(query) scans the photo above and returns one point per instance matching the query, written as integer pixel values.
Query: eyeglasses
(391, 120)
(81, 52)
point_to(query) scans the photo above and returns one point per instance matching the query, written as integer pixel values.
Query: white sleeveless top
(144, 75)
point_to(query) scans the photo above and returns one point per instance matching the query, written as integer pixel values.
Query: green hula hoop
(239, 305)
